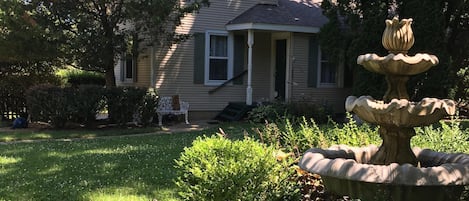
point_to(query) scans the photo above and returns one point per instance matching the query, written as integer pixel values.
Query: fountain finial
(398, 36)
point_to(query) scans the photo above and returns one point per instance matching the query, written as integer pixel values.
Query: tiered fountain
(393, 171)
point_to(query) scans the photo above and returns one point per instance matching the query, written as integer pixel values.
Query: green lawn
(120, 168)
(26, 134)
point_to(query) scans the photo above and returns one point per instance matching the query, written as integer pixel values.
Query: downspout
(249, 87)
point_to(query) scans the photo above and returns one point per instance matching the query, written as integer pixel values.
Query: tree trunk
(110, 76)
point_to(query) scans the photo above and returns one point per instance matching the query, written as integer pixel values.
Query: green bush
(50, 104)
(273, 112)
(13, 89)
(352, 134)
(449, 137)
(215, 168)
(76, 77)
(147, 109)
(60, 105)
(88, 101)
(123, 103)
(270, 112)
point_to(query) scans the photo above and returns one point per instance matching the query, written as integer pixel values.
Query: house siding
(334, 97)
(143, 72)
(175, 66)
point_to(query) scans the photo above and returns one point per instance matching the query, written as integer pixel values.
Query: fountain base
(346, 171)
(375, 191)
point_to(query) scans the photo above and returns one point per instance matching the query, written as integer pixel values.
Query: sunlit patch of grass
(116, 194)
(4, 160)
(20, 134)
(52, 170)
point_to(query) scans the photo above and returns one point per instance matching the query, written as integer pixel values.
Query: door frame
(281, 36)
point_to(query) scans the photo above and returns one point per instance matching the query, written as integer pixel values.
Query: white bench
(165, 106)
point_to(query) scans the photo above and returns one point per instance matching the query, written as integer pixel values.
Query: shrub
(147, 109)
(215, 168)
(294, 140)
(319, 113)
(59, 105)
(449, 137)
(49, 103)
(268, 112)
(123, 103)
(352, 134)
(76, 77)
(294, 111)
(13, 89)
(88, 100)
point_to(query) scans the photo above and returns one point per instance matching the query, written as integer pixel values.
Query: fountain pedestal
(395, 147)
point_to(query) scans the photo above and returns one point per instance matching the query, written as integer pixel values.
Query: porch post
(249, 88)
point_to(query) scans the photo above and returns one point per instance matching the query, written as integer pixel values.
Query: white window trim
(124, 68)
(326, 85)
(207, 56)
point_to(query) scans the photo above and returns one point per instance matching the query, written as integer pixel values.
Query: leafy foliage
(76, 77)
(123, 102)
(95, 32)
(272, 112)
(448, 137)
(26, 47)
(215, 168)
(13, 89)
(58, 106)
(440, 27)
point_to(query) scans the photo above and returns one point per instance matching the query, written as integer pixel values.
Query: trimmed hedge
(13, 89)
(61, 105)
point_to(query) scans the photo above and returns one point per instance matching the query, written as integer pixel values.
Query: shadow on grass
(125, 168)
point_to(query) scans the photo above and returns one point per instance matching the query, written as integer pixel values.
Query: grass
(118, 168)
(27, 134)
(121, 168)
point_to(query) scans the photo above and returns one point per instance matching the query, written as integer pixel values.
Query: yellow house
(246, 51)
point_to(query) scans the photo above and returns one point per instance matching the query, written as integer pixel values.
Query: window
(218, 67)
(128, 68)
(327, 72)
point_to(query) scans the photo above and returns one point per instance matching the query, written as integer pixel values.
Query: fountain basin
(400, 112)
(345, 171)
(397, 64)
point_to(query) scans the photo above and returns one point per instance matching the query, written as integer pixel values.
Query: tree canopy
(91, 33)
(25, 45)
(441, 27)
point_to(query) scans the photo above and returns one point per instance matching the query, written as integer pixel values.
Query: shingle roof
(287, 12)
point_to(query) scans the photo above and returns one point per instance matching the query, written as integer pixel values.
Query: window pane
(218, 46)
(218, 69)
(128, 68)
(328, 73)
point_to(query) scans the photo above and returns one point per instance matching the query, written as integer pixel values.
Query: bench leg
(160, 119)
(186, 118)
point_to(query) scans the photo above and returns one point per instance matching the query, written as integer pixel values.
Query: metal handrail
(226, 82)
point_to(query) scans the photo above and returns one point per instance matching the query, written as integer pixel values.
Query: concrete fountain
(394, 171)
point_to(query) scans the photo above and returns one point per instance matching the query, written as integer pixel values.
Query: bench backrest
(165, 103)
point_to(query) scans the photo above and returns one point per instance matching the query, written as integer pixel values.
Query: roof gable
(288, 12)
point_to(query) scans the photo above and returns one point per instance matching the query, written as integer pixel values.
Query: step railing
(226, 82)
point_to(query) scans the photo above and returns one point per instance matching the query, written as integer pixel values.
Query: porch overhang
(271, 27)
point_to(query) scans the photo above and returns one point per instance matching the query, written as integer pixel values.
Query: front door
(280, 68)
